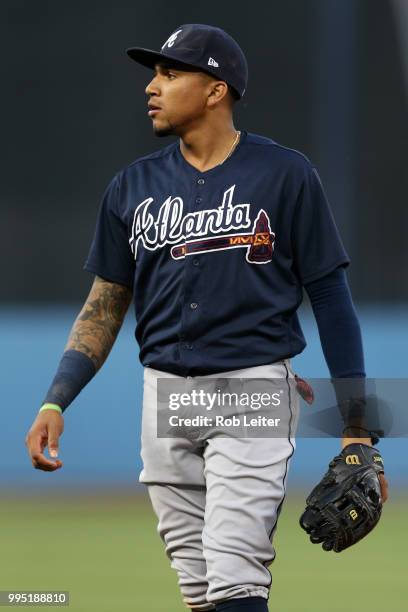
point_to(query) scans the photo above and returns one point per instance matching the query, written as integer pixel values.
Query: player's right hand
(45, 431)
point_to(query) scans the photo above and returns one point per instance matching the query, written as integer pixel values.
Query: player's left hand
(347, 503)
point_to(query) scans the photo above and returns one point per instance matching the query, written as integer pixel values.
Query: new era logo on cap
(212, 62)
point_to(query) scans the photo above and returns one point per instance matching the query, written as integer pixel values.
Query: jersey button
(201, 181)
(196, 262)
(199, 200)
(193, 305)
(189, 346)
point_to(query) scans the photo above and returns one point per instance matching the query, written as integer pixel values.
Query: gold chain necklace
(232, 148)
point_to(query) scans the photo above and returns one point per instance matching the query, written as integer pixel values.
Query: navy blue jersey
(216, 259)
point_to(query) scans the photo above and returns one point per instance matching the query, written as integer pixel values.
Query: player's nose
(152, 88)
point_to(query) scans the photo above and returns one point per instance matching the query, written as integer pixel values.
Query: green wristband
(50, 407)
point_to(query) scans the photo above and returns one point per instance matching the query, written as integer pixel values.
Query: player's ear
(217, 91)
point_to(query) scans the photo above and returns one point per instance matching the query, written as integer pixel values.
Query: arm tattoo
(97, 325)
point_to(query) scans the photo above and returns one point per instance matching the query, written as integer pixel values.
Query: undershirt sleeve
(338, 325)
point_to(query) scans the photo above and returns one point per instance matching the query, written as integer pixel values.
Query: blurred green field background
(104, 549)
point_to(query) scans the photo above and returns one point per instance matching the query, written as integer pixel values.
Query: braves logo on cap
(171, 39)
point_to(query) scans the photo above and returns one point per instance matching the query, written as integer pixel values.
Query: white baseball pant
(218, 500)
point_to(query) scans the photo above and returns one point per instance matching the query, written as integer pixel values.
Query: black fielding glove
(346, 504)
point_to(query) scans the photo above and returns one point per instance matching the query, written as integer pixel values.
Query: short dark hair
(234, 94)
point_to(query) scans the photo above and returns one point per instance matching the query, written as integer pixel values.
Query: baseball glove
(346, 504)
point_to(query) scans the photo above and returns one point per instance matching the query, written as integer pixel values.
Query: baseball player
(214, 237)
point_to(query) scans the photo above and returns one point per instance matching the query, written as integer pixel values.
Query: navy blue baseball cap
(204, 47)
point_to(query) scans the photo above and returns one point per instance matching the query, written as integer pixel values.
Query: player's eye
(171, 75)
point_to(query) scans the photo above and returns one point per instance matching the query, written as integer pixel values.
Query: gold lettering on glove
(353, 460)
(353, 514)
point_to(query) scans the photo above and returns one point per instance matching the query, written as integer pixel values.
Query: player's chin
(162, 130)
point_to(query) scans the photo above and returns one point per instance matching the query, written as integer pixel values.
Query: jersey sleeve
(110, 256)
(317, 245)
